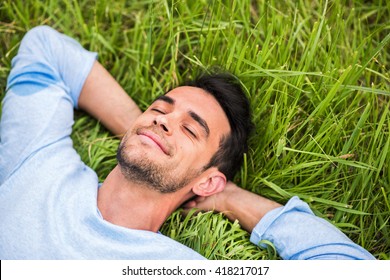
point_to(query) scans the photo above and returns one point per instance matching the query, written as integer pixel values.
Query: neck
(135, 206)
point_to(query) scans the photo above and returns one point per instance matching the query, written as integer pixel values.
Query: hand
(215, 202)
(237, 204)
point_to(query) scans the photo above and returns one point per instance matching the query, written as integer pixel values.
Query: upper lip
(156, 138)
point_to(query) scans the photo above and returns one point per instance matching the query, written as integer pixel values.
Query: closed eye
(191, 132)
(158, 111)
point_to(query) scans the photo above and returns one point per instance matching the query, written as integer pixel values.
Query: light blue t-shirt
(48, 196)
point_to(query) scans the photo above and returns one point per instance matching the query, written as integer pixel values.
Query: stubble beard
(143, 171)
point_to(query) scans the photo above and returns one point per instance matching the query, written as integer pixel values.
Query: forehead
(197, 100)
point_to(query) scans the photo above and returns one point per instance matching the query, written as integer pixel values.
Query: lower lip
(149, 141)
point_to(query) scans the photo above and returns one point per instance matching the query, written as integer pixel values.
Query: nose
(162, 122)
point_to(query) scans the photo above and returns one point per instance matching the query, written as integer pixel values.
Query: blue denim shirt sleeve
(298, 234)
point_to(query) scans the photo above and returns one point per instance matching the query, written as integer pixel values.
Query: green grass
(317, 75)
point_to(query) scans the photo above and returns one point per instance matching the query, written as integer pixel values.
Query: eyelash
(190, 132)
(186, 128)
(158, 111)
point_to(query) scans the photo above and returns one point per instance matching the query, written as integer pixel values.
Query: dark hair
(227, 90)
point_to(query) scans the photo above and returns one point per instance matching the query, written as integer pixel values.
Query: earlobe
(213, 184)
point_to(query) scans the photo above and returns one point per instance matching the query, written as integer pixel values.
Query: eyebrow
(192, 114)
(200, 121)
(166, 99)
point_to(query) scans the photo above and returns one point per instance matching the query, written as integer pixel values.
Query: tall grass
(317, 75)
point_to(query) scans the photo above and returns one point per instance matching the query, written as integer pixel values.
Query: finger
(190, 204)
(186, 211)
(193, 202)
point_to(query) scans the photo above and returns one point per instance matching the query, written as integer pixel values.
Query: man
(51, 204)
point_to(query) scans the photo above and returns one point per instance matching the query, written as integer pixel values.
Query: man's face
(173, 140)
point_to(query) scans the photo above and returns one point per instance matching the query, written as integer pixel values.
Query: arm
(51, 75)
(103, 98)
(293, 229)
(43, 89)
(237, 204)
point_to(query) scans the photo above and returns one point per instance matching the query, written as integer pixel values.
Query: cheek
(145, 119)
(193, 156)
(186, 151)
(192, 153)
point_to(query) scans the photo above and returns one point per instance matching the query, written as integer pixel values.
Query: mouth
(150, 136)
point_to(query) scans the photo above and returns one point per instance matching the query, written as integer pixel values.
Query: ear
(213, 182)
